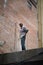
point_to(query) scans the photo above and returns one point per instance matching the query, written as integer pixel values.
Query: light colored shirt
(22, 33)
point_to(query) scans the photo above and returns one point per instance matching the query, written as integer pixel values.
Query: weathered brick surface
(15, 12)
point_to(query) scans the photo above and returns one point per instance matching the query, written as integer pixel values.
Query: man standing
(23, 32)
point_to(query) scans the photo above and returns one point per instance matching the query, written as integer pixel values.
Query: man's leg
(23, 43)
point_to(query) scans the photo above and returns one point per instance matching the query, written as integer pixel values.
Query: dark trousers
(23, 42)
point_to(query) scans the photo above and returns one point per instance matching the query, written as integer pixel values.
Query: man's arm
(25, 30)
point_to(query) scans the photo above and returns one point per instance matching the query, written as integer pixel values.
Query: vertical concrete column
(17, 38)
(40, 23)
(42, 19)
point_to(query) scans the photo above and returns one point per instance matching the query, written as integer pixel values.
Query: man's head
(21, 25)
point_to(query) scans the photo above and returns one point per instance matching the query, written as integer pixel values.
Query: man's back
(23, 31)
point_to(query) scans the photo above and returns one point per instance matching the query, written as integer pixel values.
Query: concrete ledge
(16, 57)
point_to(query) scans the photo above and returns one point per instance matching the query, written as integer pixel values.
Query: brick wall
(17, 11)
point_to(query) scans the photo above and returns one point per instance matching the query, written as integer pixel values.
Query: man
(23, 32)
